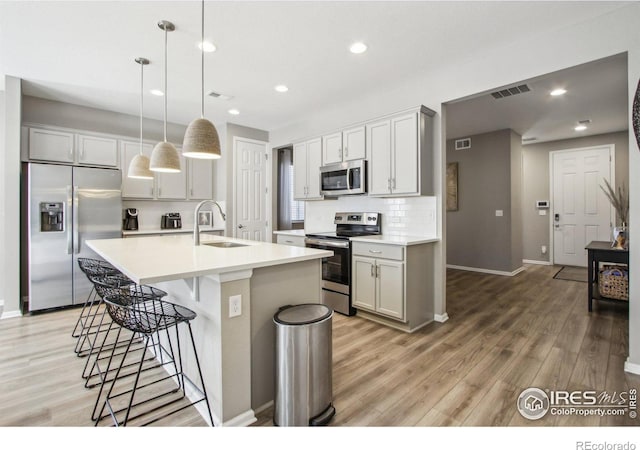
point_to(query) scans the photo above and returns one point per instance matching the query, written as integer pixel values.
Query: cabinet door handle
(346, 152)
(191, 192)
(151, 191)
(375, 251)
(377, 271)
(394, 183)
(373, 274)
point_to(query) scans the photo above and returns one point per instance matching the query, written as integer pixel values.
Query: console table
(601, 251)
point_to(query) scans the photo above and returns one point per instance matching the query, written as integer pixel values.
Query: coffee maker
(130, 220)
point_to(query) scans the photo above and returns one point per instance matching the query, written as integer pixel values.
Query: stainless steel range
(336, 270)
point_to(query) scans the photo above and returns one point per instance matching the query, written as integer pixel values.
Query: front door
(581, 212)
(250, 189)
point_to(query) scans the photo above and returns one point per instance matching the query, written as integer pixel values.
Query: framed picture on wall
(205, 218)
(452, 186)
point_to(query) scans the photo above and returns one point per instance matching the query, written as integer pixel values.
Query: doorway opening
(290, 212)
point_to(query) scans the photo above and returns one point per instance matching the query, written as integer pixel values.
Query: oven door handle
(327, 243)
(349, 178)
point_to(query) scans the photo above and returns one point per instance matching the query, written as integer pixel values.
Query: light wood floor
(505, 334)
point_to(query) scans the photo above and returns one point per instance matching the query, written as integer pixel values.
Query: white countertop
(396, 239)
(163, 258)
(167, 230)
(290, 232)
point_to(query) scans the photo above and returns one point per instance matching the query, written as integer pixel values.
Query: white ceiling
(596, 91)
(83, 52)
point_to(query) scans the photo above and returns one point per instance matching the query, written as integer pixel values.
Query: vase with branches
(620, 201)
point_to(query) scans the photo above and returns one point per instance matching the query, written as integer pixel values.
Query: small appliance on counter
(130, 220)
(171, 221)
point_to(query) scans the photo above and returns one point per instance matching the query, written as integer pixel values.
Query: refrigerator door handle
(67, 212)
(76, 240)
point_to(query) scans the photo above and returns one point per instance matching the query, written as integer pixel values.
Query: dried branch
(619, 200)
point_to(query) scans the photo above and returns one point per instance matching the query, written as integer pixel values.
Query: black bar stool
(108, 285)
(85, 326)
(158, 393)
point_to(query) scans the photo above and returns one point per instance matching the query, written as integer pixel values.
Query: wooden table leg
(590, 278)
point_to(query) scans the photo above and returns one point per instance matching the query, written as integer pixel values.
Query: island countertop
(163, 258)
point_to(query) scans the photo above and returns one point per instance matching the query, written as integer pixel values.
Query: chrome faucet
(196, 225)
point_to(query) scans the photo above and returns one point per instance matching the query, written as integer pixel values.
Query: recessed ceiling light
(580, 127)
(234, 111)
(557, 92)
(157, 92)
(207, 46)
(358, 47)
(281, 88)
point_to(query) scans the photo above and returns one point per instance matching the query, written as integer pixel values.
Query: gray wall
(50, 112)
(234, 130)
(536, 184)
(516, 200)
(476, 237)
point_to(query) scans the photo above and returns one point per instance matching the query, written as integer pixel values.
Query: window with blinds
(297, 207)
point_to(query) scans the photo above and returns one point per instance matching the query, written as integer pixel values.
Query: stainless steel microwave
(345, 178)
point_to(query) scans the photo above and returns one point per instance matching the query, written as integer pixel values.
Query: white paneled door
(250, 189)
(580, 212)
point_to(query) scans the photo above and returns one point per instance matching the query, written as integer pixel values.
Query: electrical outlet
(544, 249)
(235, 305)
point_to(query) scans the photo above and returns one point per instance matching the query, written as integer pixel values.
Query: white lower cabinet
(393, 284)
(285, 239)
(378, 285)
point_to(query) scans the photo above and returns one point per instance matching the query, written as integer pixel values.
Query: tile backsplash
(414, 216)
(150, 212)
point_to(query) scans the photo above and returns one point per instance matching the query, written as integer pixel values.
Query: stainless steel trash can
(303, 391)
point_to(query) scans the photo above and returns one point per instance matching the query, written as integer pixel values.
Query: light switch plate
(542, 212)
(499, 213)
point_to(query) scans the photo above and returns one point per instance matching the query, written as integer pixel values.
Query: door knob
(240, 226)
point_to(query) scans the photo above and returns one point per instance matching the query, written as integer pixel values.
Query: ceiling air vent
(463, 144)
(508, 92)
(220, 96)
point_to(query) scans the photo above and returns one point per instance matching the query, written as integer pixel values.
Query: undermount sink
(224, 244)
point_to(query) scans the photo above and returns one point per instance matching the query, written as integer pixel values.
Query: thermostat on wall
(542, 204)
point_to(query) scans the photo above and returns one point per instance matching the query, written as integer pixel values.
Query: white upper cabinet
(332, 148)
(72, 148)
(307, 159)
(353, 144)
(135, 187)
(50, 145)
(400, 155)
(346, 145)
(97, 150)
(200, 177)
(173, 186)
(379, 139)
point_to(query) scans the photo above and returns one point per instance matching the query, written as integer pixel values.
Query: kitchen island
(236, 353)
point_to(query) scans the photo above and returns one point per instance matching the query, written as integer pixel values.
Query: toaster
(171, 221)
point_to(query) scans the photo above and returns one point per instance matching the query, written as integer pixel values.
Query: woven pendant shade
(165, 158)
(201, 140)
(139, 168)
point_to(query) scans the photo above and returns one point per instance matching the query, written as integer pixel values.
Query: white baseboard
(264, 407)
(489, 271)
(10, 314)
(631, 367)
(540, 263)
(441, 317)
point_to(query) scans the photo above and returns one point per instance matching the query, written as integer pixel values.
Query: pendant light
(201, 138)
(164, 157)
(139, 166)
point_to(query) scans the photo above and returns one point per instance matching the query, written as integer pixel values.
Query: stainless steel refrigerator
(62, 207)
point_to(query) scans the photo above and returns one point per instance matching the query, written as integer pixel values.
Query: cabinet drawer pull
(375, 251)
(289, 242)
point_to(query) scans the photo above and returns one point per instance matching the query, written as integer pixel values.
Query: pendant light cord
(141, 101)
(165, 84)
(202, 65)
